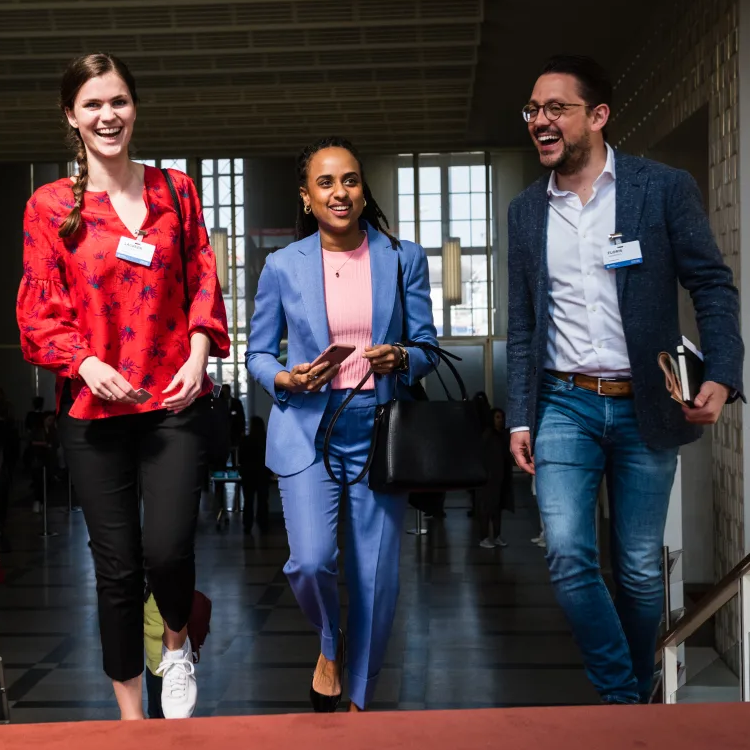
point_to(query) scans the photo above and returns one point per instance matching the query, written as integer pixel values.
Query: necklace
(351, 255)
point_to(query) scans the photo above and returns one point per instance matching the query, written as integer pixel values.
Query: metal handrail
(719, 594)
(734, 583)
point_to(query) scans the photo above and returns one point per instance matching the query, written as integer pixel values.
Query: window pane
(462, 230)
(461, 321)
(405, 180)
(406, 231)
(240, 290)
(227, 373)
(239, 189)
(207, 166)
(478, 205)
(435, 265)
(238, 166)
(225, 190)
(241, 311)
(239, 250)
(239, 220)
(207, 199)
(243, 384)
(225, 218)
(459, 180)
(429, 180)
(225, 165)
(461, 206)
(477, 179)
(228, 306)
(430, 208)
(208, 218)
(180, 164)
(430, 234)
(213, 369)
(406, 208)
(479, 233)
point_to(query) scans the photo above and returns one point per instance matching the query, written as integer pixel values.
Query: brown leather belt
(602, 386)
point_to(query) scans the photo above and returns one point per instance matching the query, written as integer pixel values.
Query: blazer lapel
(629, 201)
(384, 274)
(312, 289)
(538, 229)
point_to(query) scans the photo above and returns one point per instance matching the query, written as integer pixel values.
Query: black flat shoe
(327, 704)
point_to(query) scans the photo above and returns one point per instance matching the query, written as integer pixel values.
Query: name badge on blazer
(618, 253)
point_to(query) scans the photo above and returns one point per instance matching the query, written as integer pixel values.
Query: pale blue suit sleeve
(419, 322)
(266, 329)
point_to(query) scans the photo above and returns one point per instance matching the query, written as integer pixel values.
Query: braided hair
(307, 224)
(81, 70)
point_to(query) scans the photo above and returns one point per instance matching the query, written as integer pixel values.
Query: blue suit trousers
(373, 528)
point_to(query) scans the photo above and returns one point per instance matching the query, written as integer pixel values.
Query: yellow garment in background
(153, 634)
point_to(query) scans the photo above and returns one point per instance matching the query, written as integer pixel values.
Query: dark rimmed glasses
(552, 110)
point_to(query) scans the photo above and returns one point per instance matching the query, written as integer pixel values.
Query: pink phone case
(335, 354)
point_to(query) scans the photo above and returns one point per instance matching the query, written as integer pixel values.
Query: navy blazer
(291, 296)
(662, 208)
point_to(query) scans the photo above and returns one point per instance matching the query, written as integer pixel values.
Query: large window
(223, 197)
(179, 164)
(452, 204)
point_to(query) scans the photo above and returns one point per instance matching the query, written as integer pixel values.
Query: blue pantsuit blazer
(291, 297)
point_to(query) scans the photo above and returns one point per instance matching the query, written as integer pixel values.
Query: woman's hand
(384, 358)
(105, 382)
(305, 377)
(190, 376)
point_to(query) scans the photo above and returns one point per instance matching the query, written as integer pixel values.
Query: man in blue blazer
(596, 250)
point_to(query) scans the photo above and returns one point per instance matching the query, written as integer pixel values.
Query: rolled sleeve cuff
(519, 429)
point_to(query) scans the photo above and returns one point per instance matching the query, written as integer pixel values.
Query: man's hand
(520, 447)
(708, 404)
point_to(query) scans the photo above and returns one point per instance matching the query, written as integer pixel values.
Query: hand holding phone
(335, 354)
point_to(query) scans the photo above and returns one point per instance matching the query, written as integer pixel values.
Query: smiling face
(104, 114)
(334, 190)
(565, 144)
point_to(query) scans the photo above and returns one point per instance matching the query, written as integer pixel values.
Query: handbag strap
(329, 435)
(183, 254)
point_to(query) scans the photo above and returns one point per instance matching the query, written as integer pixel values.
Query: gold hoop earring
(307, 208)
(365, 205)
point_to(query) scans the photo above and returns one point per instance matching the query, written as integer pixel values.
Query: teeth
(109, 131)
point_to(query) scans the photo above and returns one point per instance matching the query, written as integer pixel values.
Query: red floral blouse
(77, 299)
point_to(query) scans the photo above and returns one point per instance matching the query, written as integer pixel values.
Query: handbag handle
(429, 349)
(183, 254)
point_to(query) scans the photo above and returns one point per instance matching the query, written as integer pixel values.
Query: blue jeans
(582, 435)
(374, 523)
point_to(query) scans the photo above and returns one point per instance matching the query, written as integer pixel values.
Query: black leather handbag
(420, 445)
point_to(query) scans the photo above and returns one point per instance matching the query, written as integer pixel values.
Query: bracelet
(403, 364)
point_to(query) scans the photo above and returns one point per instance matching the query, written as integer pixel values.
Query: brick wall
(689, 58)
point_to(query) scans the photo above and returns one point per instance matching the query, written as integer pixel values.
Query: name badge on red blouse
(135, 251)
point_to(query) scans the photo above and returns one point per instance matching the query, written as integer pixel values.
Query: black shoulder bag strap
(429, 349)
(183, 253)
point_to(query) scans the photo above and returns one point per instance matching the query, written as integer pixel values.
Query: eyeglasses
(552, 110)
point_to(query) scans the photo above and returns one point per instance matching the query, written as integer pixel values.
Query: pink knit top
(348, 289)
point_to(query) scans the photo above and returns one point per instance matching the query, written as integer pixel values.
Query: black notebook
(690, 362)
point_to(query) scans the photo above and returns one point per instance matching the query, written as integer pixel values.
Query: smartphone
(335, 354)
(142, 395)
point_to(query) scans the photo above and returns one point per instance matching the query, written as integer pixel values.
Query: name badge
(135, 251)
(622, 253)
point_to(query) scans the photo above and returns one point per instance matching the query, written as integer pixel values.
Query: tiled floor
(474, 627)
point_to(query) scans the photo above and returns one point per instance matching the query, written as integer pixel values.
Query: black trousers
(255, 490)
(107, 459)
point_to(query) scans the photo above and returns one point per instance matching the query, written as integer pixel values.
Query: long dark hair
(81, 70)
(307, 224)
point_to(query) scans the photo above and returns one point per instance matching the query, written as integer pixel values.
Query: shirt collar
(608, 174)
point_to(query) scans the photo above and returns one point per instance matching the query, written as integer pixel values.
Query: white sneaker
(500, 542)
(487, 544)
(179, 691)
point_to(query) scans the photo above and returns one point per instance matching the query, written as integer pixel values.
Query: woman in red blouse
(102, 304)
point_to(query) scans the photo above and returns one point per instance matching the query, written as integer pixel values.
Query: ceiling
(251, 77)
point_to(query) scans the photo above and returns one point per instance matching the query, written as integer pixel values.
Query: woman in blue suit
(338, 283)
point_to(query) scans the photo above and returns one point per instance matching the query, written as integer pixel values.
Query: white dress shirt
(585, 327)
